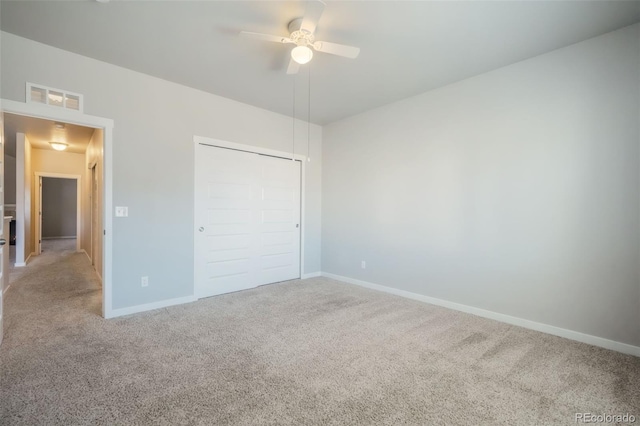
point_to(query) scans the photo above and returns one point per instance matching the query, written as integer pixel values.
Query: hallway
(49, 302)
(54, 250)
(59, 274)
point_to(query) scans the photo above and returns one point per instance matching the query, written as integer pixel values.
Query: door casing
(74, 117)
(38, 207)
(5, 246)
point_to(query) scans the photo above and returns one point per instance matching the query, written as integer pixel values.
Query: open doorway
(58, 212)
(58, 204)
(102, 156)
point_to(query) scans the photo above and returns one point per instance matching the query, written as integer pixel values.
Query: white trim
(87, 254)
(21, 199)
(303, 201)
(94, 269)
(247, 148)
(22, 264)
(107, 223)
(59, 114)
(311, 275)
(58, 175)
(151, 306)
(38, 208)
(521, 322)
(106, 124)
(202, 140)
(71, 237)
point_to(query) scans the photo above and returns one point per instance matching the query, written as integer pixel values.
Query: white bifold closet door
(247, 220)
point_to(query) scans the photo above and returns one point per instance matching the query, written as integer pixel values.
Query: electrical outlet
(122, 211)
(144, 281)
(363, 264)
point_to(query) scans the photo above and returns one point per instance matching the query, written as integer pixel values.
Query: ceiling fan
(301, 34)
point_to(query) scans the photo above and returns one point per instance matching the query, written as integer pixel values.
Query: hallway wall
(9, 179)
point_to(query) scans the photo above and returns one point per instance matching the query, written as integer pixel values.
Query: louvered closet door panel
(279, 227)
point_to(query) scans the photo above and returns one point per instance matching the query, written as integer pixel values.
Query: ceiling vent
(38, 94)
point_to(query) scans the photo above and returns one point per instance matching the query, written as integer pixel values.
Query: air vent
(58, 98)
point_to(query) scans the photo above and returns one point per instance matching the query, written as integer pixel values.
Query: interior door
(226, 209)
(2, 240)
(278, 236)
(247, 220)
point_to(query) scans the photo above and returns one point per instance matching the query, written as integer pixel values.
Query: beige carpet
(310, 352)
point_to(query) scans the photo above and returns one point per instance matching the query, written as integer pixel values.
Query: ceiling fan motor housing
(299, 36)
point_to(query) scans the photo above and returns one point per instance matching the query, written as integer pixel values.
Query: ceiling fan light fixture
(301, 33)
(301, 54)
(59, 146)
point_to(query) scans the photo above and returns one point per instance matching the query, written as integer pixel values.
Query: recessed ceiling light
(59, 146)
(59, 125)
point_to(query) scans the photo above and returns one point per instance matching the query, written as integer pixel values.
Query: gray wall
(9, 179)
(516, 191)
(59, 207)
(153, 157)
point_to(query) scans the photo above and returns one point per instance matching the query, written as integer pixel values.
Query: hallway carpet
(310, 352)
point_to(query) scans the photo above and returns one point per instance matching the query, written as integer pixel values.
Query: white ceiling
(406, 47)
(40, 132)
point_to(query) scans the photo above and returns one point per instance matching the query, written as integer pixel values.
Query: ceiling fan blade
(312, 15)
(266, 37)
(337, 49)
(293, 67)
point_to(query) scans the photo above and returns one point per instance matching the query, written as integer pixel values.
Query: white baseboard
(73, 237)
(521, 322)
(85, 252)
(22, 264)
(89, 257)
(311, 275)
(149, 306)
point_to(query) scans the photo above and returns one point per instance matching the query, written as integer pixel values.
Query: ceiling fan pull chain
(293, 119)
(309, 116)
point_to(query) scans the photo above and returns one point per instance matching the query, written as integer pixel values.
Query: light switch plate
(122, 211)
